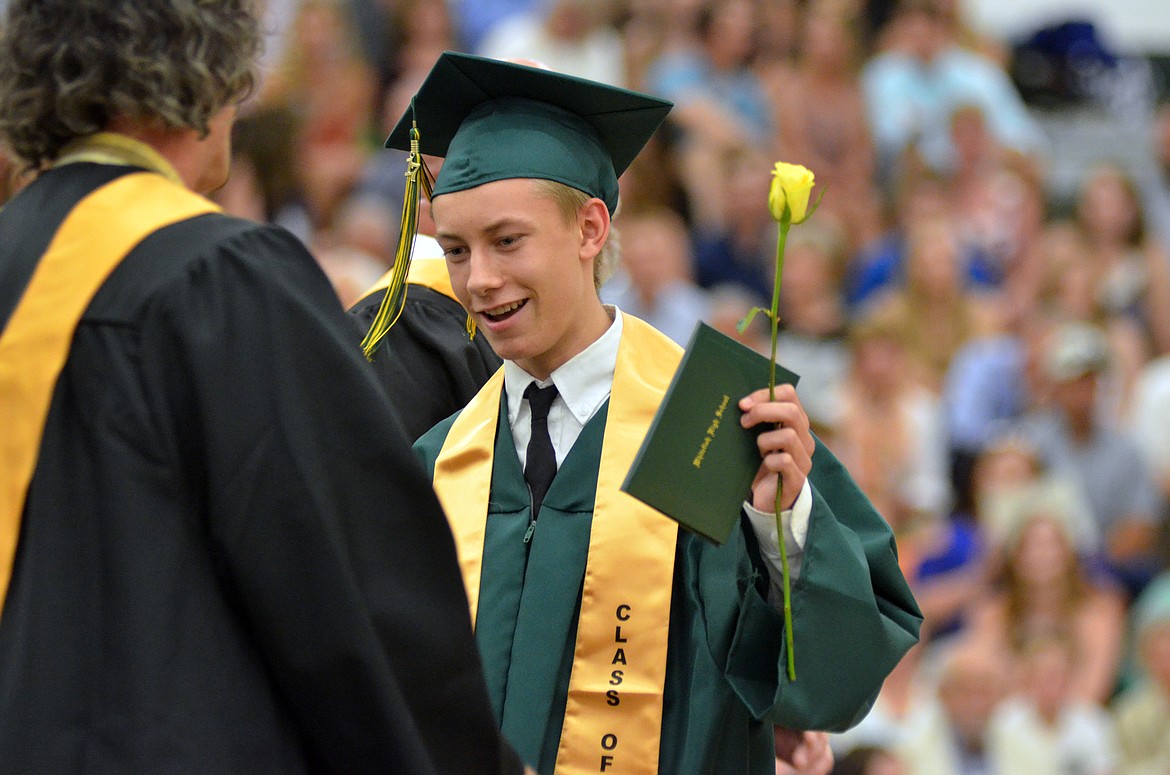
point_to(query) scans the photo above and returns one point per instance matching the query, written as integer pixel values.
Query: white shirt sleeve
(795, 522)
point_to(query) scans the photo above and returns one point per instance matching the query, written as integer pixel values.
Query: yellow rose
(791, 184)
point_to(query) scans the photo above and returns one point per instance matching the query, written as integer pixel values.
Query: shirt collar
(583, 382)
(114, 148)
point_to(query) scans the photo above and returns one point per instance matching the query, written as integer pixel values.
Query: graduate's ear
(593, 221)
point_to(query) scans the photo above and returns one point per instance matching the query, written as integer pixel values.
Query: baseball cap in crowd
(1074, 350)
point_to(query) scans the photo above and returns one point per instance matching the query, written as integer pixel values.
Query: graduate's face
(524, 270)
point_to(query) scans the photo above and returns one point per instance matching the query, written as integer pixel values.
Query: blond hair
(569, 201)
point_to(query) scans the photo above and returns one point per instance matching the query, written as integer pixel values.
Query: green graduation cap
(494, 120)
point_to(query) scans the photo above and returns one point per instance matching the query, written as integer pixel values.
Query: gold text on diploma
(697, 462)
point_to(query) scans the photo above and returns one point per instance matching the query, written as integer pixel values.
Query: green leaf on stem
(742, 325)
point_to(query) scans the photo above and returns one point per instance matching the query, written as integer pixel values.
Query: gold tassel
(418, 181)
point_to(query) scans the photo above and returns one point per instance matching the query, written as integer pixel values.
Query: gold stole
(428, 272)
(99, 232)
(613, 717)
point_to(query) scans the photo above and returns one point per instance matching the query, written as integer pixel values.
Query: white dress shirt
(583, 385)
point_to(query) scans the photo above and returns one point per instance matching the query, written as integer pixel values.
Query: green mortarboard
(494, 120)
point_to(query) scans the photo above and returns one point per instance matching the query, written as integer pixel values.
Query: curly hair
(67, 67)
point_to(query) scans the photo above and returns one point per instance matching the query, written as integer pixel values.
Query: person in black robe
(428, 363)
(217, 553)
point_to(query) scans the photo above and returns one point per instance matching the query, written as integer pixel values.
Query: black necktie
(540, 465)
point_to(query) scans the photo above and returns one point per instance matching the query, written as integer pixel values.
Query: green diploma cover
(696, 463)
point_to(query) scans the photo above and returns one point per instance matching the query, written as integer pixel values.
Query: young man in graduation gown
(217, 552)
(612, 641)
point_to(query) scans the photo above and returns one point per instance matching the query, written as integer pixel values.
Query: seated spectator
(822, 124)
(988, 388)
(1002, 504)
(569, 36)
(890, 437)
(950, 736)
(933, 311)
(976, 150)
(812, 340)
(735, 238)
(1042, 729)
(478, 17)
(880, 265)
(653, 278)
(1131, 270)
(1010, 231)
(1115, 478)
(720, 106)
(778, 37)
(426, 29)
(1045, 589)
(263, 185)
(383, 174)
(652, 29)
(955, 15)
(889, 431)
(1142, 713)
(1001, 198)
(276, 21)
(913, 88)
(717, 97)
(953, 574)
(651, 181)
(350, 270)
(326, 81)
(1070, 291)
(367, 223)
(359, 247)
(1006, 465)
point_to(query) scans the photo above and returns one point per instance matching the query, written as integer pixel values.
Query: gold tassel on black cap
(418, 180)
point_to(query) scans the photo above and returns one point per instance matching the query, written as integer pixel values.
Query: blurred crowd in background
(979, 311)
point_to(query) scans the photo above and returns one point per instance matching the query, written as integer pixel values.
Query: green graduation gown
(854, 617)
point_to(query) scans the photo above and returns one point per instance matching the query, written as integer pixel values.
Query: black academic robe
(853, 616)
(229, 560)
(429, 366)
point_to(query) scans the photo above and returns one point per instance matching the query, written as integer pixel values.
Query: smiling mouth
(503, 312)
